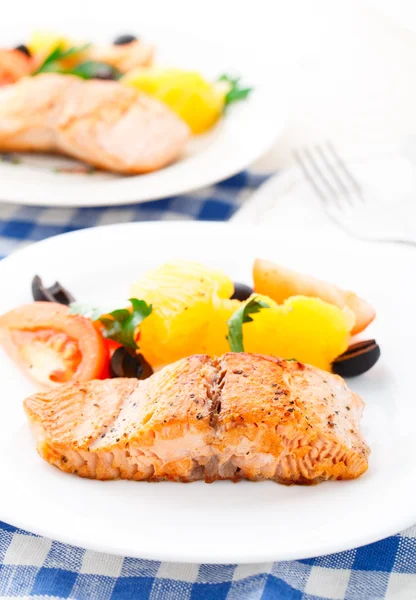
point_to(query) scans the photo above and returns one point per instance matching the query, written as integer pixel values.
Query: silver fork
(345, 202)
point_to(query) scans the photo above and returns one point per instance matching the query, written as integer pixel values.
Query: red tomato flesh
(52, 344)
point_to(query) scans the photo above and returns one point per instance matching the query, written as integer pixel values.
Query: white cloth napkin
(387, 176)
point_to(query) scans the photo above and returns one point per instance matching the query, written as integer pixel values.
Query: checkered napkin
(35, 567)
(21, 225)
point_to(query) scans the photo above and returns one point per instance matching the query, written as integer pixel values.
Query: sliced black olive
(127, 38)
(126, 363)
(24, 49)
(105, 72)
(55, 293)
(241, 291)
(94, 69)
(358, 359)
(9, 158)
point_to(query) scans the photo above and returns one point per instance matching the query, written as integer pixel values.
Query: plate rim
(220, 559)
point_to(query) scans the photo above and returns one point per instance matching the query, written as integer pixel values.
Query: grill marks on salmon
(241, 416)
(103, 123)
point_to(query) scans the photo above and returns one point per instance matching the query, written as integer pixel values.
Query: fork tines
(329, 175)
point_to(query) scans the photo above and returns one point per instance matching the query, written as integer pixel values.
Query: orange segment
(197, 101)
(191, 307)
(184, 296)
(281, 283)
(215, 342)
(307, 329)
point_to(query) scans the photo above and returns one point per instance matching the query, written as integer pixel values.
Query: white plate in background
(222, 522)
(247, 130)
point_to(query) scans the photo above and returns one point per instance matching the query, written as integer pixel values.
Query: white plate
(247, 130)
(221, 522)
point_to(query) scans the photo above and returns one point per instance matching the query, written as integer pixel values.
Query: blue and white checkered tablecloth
(35, 567)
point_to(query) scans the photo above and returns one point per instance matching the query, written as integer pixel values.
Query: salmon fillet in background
(103, 123)
(241, 416)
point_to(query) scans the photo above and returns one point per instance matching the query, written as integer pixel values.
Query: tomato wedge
(53, 345)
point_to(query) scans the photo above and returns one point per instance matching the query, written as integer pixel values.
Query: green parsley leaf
(123, 323)
(73, 50)
(92, 69)
(49, 60)
(235, 323)
(236, 92)
(84, 310)
(51, 64)
(119, 325)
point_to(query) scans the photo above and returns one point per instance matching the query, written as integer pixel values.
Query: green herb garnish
(51, 64)
(236, 92)
(118, 325)
(89, 69)
(84, 310)
(10, 158)
(94, 69)
(235, 323)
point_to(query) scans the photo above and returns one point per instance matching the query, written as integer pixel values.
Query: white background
(350, 72)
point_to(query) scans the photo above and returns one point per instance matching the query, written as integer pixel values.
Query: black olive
(126, 363)
(127, 38)
(9, 158)
(241, 291)
(358, 359)
(24, 49)
(55, 293)
(105, 72)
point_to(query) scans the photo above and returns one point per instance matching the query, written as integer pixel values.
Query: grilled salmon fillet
(103, 123)
(241, 416)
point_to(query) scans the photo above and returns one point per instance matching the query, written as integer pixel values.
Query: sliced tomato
(110, 344)
(54, 345)
(111, 347)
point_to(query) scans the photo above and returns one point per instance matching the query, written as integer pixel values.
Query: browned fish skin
(241, 416)
(103, 123)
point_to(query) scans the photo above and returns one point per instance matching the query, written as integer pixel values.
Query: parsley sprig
(235, 323)
(52, 63)
(94, 69)
(237, 91)
(119, 325)
(88, 69)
